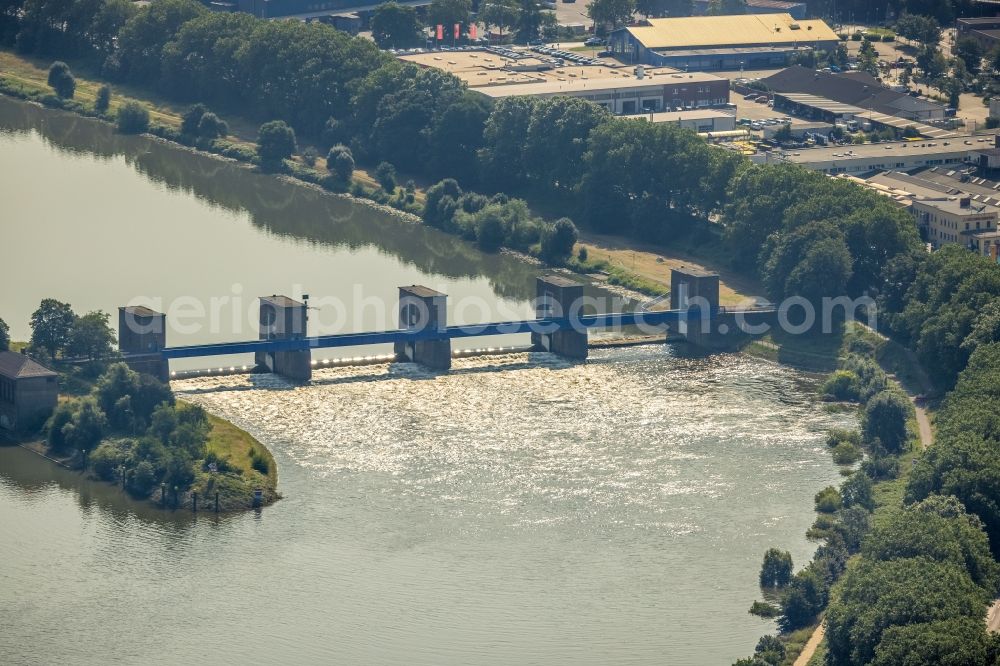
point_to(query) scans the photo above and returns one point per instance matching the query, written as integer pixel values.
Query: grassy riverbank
(640, 267)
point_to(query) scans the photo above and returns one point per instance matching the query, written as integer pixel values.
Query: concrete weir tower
(557, 297)
(283, 318)
(423, 309)
(142, 333)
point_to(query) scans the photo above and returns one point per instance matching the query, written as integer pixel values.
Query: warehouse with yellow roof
(712, 43)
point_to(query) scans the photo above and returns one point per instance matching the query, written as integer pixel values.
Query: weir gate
(424, 337)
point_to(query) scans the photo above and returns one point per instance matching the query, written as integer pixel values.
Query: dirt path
(810, 649)
(993, 618)
(654, 263)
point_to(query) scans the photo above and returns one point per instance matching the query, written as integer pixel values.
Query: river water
(519, 509)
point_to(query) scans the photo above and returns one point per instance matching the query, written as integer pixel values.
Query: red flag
(472, 31)
(440, 32)
(458, 30)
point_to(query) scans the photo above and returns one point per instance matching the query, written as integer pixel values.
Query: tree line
(651, 181)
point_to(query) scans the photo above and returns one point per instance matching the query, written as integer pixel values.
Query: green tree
(275, 143)
(770, 649)
(51, 326)
(501, 14)
(133, 118)
(490, 230)
(4, 336)
(776, 570)
(828, 500)
(103, 99)
(192, 118)
(86, 428)
(449, 12)
(932, 62)
(396, 26)
(969, 52)
(92, 336)
(385, 174)
(212, 127)
(885, 419)
(858, 490)
(923, 29)
(868, 58)
(340, 162)
(143, 37)
(804, 599)
(877, 595)
(558, 241)
(61, 80)
(530, 20)
(956, 641)
(611, 12)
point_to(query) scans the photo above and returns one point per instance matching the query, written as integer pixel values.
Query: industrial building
(856, 89)
(946, 214)
(703, 121)
(622, 90)
(895, 155)
(798, 10)
(985, 30)
(28, 392)
(731, 42)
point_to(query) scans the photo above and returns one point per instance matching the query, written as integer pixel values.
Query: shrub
(191, 119)
(582, 255)
(828, 500)
(764, 610)
(259, 462)
(103, 99)
(385, 174)
(340, 163)
(841, 385)
(212, 127)
(133, 118)
(310, 155)
(856, 37)
(107, 458)
(846, 453)
(275, 143)
(838, 435)
(558, 241)
(881, 468)
(61, 80)
(490, 229)
(885, 419)
(142, 479)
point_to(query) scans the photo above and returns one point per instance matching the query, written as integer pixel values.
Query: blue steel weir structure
(424, 337)
(544, 326)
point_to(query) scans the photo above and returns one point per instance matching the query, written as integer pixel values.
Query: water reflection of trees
(34, 478)
(277, 206)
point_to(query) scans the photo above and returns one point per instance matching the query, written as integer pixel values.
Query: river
(519, 509)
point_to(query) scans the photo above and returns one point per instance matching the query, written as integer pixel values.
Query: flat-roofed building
(698, 120)
(751, 41)
(953, 219)
(621, 90)
(870, 157)
(985, 30)
(28, 392)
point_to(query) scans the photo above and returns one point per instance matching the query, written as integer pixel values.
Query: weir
(423, 336)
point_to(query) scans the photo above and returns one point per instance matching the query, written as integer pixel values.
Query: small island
(67, 396)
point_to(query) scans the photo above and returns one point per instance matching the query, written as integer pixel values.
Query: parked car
(593, 41)
(762, 99)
